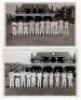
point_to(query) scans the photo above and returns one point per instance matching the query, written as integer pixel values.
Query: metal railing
(53, 64)
(34, 15)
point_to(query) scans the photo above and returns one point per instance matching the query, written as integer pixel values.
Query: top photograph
(40, 24)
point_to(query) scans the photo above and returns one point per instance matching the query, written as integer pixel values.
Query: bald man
(66, 28)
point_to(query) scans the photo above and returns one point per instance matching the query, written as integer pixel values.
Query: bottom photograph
(40, 71)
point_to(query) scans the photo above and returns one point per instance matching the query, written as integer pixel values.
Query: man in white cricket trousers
(52, 27)
(42, 28)
(14, 28)
(64, 78)
(23, 78)
(33, 79)
(11, 79)
(28, 76)
(56, 27)
(39, 79)
(66, 28)
(17, 80)
(20, 28)
(51, 75)
(70, 79)
(37, 28)
(31, 27)
(48, 27)
(57, 78)
(45, 79)
(25, 28)
(61, 26)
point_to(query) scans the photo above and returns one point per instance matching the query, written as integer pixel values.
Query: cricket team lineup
(41, 79)
(38, 20)
(42, 72)
(50, 26)
(39, 70)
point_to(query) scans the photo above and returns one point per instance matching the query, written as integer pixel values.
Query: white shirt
(45, 75)
(57, 74)
(61, 22)
(28, 75)
(37, 24)
(56, 23)
(39, 75)
(48, 23)
(11, 74)
(64, 75)
(52, 24)
(33, 75)
(66, 23)
(20, 24)
(51, 75)
(70, 76)
(23, 74)
(25, 24)
(42, 24)
(14, 24)
(20, 27)
(31, 24)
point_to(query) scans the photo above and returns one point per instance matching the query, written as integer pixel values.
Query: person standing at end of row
(11, 79)
(70, 79)
(14, 28)
(66, 27)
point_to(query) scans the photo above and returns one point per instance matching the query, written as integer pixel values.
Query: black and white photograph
(36, 24)
(40, 71)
